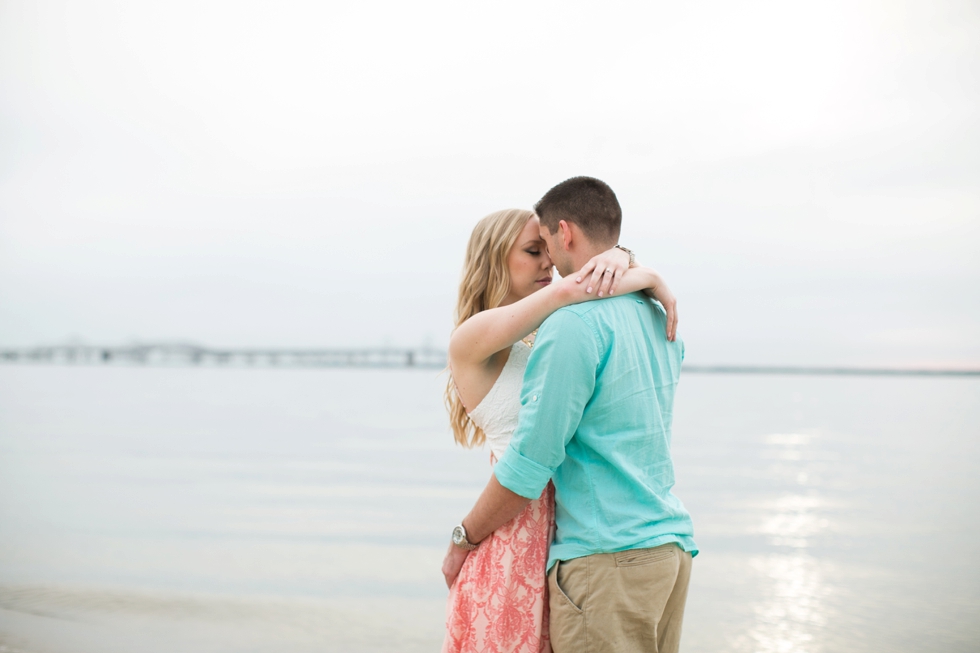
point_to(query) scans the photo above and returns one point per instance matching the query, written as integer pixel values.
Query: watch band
(459, 539)
(630, 252)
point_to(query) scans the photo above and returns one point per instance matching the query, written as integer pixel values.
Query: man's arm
(496, 506)
(558, 382)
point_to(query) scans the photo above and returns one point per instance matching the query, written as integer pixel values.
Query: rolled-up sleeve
(558, 383)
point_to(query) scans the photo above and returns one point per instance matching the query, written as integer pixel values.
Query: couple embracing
(577, 543)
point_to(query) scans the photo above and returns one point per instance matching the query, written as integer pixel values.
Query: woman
(499, 600)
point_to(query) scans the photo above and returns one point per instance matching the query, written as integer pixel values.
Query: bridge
(187, 354)
(385, 357)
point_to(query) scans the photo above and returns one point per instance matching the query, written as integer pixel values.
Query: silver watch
(459, 539)
(630, 252)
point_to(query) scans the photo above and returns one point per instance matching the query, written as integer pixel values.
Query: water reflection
(788, 619)
(793, 520)
(793, 607)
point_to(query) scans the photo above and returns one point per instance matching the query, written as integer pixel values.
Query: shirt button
(534, 398)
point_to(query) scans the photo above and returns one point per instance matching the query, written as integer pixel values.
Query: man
(596, 411)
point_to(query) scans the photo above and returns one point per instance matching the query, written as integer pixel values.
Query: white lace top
(497, 413)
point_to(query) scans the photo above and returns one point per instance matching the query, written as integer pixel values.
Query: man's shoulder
(567, 315)
(593, 309)
(591, 317)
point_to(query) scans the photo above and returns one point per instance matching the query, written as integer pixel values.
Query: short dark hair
(586, 201)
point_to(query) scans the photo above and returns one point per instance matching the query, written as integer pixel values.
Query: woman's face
(528, 263)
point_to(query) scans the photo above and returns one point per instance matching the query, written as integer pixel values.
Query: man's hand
(455, 557)
(496, 506)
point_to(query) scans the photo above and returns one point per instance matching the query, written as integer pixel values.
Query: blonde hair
(484, 283)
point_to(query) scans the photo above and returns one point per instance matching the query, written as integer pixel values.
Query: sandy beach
(60, 620)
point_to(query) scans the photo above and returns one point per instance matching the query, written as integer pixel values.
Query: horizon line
(809, 370)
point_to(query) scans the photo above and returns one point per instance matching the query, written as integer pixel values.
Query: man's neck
(580, 258)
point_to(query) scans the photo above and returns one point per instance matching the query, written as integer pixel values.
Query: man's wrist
(472, 531)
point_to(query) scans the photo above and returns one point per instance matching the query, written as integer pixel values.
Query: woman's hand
(607, 269)
(634, 279)
(659, 291)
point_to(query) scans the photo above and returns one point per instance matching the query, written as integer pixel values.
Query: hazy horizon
(299, 175)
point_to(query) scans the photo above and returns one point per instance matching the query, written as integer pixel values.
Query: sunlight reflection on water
(793, 608)
(787, 621)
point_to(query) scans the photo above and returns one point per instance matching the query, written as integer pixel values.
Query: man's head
(580, 217)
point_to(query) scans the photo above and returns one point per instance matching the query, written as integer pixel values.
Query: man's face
(556, 249)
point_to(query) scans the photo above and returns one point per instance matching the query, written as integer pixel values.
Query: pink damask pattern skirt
(499, 602)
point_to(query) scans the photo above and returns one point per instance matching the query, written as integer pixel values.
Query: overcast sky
(806, 175)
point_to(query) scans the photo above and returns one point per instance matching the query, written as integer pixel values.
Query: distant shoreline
(824, 371)
(184, 355)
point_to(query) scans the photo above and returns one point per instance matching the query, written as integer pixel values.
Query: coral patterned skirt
(499, 602)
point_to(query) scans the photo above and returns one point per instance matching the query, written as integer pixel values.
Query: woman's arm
(483, 335)
(495, 329)
(609, 279)
(492, 330)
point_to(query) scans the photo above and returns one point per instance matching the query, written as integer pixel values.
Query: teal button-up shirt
(596, 412)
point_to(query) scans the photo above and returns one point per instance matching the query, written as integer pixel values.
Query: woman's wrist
(655, 279)
(629, 252)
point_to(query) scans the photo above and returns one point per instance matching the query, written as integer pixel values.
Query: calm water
(209, 510)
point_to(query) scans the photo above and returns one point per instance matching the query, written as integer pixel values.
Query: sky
(295, 174)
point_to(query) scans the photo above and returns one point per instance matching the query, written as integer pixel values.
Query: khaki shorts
(620, 602)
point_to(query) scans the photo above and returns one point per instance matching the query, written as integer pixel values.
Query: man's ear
(566, 234)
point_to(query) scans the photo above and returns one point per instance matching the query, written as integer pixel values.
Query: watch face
(458, 535)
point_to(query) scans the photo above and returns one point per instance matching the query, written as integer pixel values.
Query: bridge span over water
(381, 357)
(185, 354)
